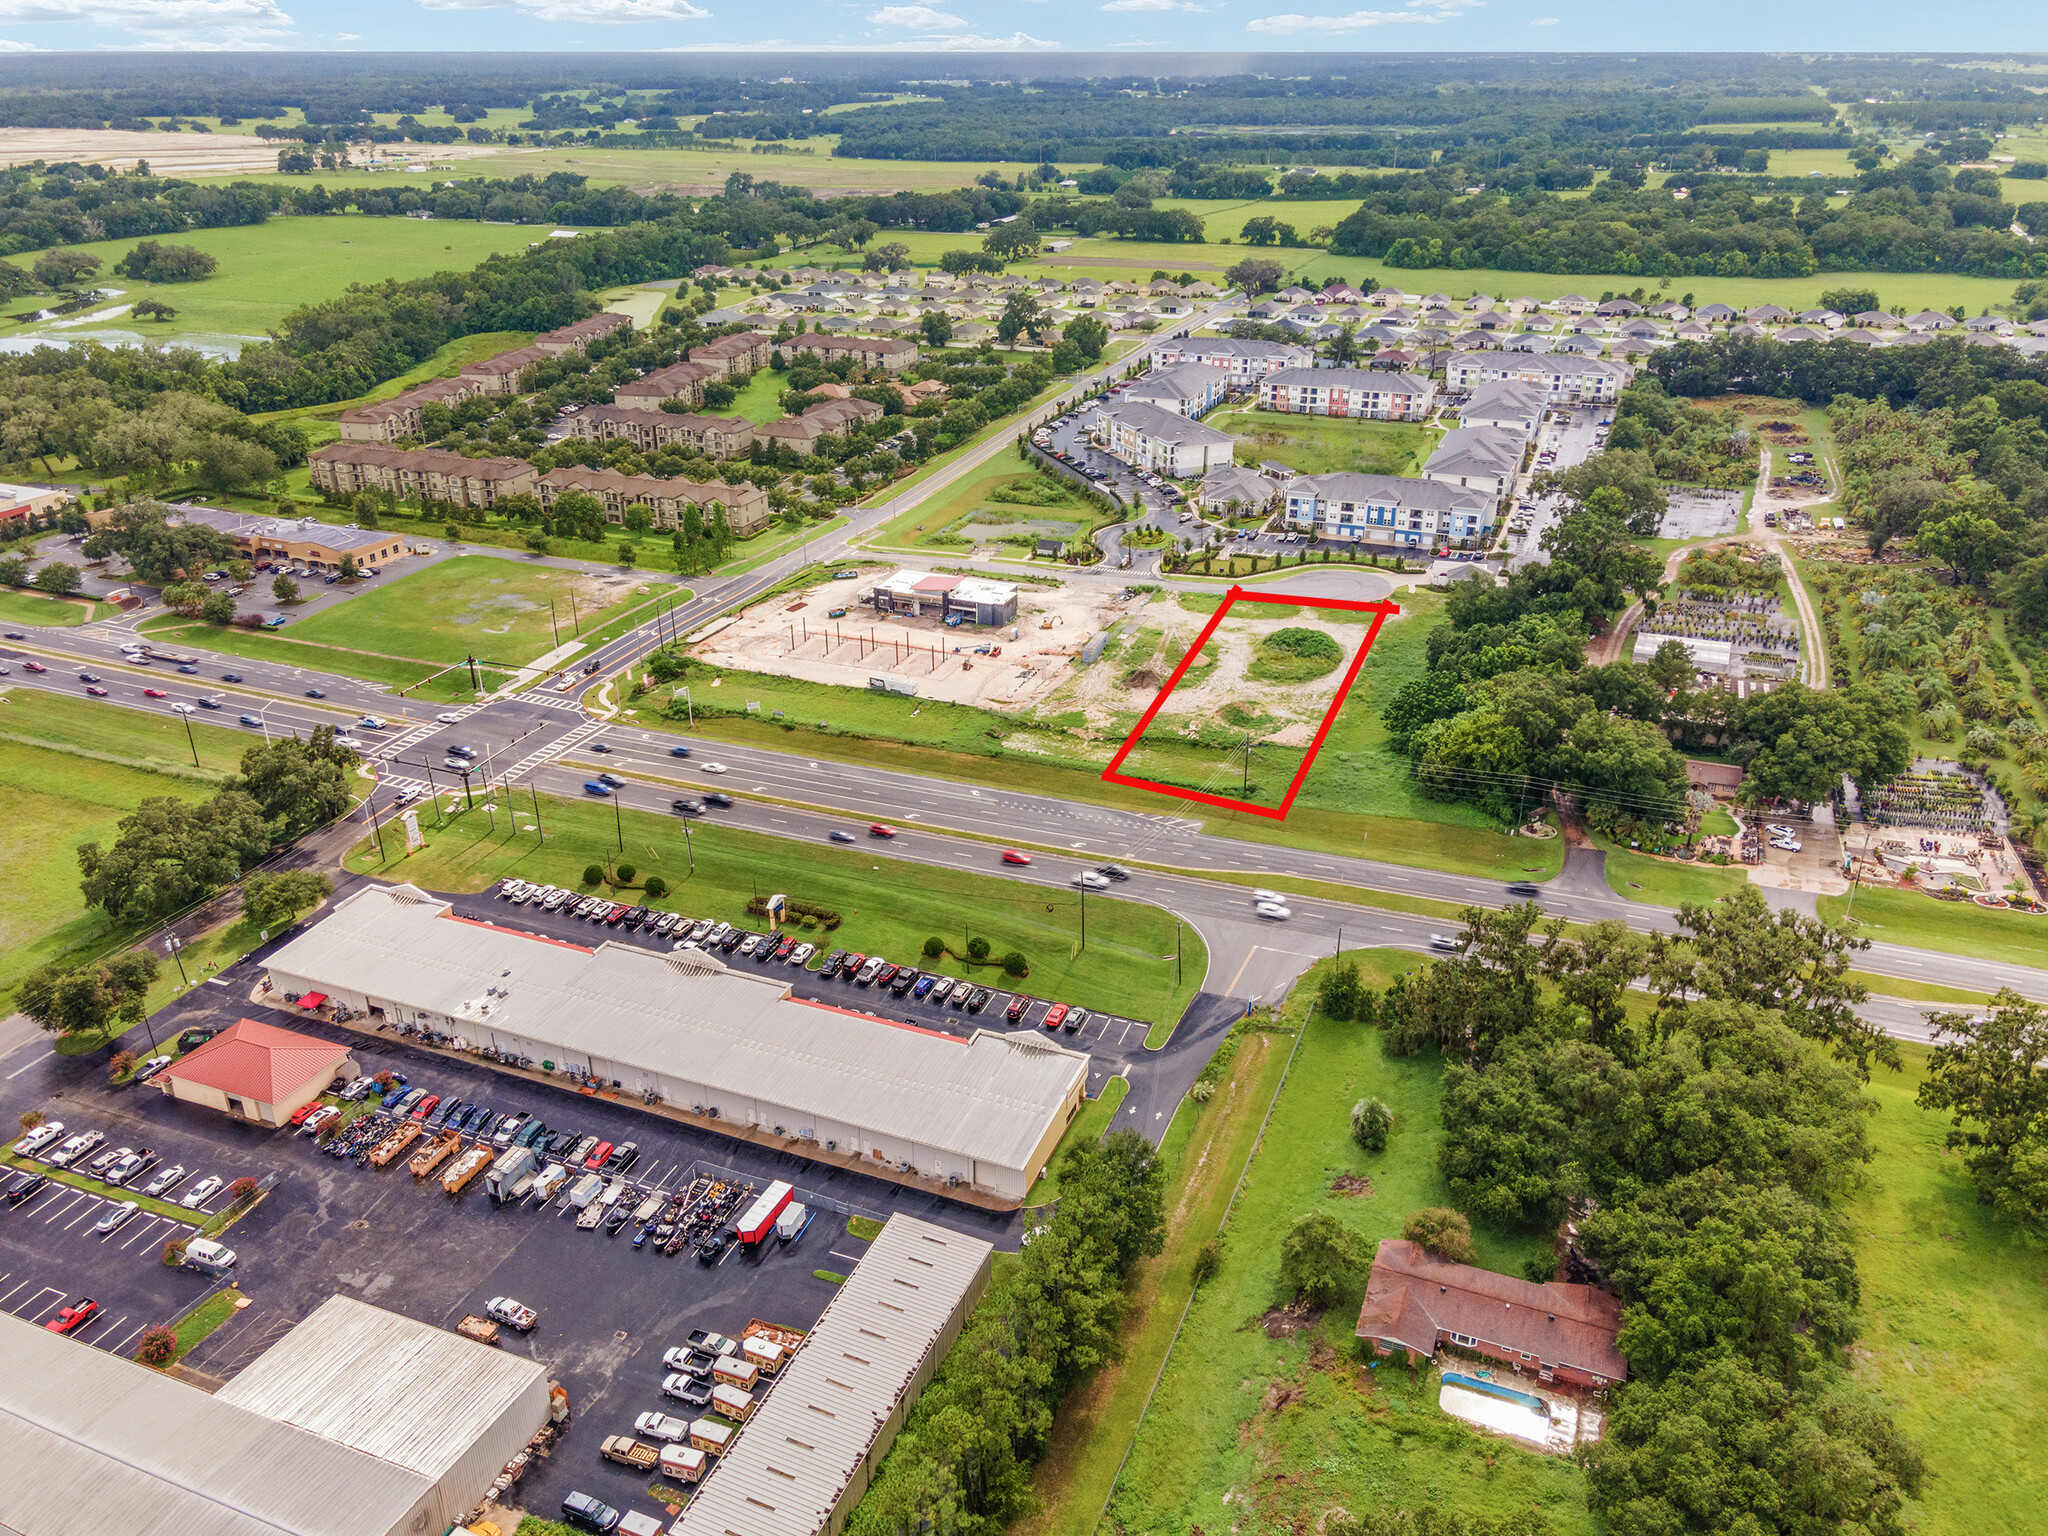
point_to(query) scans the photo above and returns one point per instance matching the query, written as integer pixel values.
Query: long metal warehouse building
(985, 1112)
(811, 1448)
(94, 1443)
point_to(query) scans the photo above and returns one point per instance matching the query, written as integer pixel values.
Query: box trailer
(712, 1437)
(759, 1219)
(585, 1190)
(731, 1401)
(765, 1354)
(512, 1165)
(736, 1372)
(685, 1462)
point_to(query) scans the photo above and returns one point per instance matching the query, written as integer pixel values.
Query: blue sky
(969, 26)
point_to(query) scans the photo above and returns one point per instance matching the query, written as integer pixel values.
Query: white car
(112, 1222)
(354, 744)
(1779, 829)
(151, 1067)
(201, 1192)
(712, 767)
(802, 953)
(659, 1426)
(1787, 845)
(1274, 897)
(1274, 910)
(182, 709)
(164, 1180)
(1088, 880)
(449, 719)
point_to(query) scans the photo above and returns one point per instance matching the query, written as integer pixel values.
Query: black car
(686, 807)
(611, 779)
(733, 940)
(209, 703)
(717, 797)
(905, 980)
(231, 677)
(315, 693)
(598, 746)
(252, 719)
(623, 1157)
(593, 1513)
(711, 1250)
(28, 1189)
(88, 677)
(1524, 888)
(15, 634)
(831, 966)
(560, 1146)
(635, 917)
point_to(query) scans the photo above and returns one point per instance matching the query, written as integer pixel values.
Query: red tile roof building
(1416, 1301)
(256, 1072)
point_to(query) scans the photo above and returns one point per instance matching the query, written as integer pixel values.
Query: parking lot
(1569, 436)
(1693, 514)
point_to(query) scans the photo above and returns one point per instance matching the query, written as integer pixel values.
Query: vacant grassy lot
(52, 612)
(1954, 927)
(471, 605)
(258, 645)
(1321, 445)
(1951, 1322)
(73, 769)
(1664, 883)
(1266, 1421)
(887, 907)
(267, 270)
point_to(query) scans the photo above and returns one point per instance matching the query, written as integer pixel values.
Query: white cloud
(1544, 21)
(163, 23)
(9, 45)
(1417, 13)
(922, 17)
(1157, 5)
(1016, 42)
(600, 12)
(348, 37)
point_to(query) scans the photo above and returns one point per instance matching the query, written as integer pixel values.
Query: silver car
(111, 1223)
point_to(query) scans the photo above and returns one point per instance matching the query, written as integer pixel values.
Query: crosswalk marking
(553, 750)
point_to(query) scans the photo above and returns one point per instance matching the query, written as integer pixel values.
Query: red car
(1054, 1014)
(882, 977)
(598, 1154)
(1012, 856)
(878, 830)
(304, 1112)
(425, 1107)
(154, 693)
(96, 691)
(33, 666)
(73, 1318)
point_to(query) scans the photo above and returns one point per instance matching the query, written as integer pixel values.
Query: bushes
(758, 907)
(159, 1345)
(1015, 965)
(122, 1064)
(934, 947)
(1371, 1121)
(243, 1189)
(624, 874)
(1443, 1231)
(1319, 1256)
(977, 949)
(593, 874)
(656, 887)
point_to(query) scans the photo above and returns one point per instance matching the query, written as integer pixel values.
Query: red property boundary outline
(1114, 774)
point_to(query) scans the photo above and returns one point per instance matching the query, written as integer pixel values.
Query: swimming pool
(1474, 1384)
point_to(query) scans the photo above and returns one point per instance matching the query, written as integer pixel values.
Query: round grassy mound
(1295, 656)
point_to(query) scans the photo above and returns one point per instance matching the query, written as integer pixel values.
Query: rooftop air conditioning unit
(809, 1133)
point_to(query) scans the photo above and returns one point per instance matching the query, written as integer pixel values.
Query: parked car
(151, 1068)
(979, 999)
(38, 1138)
(165, 1180)
(28, 1189)
(74, 1317)
(197, 1196)
(112, 1222)
(590, 1512)
(684, 1388)
(1016, 1009)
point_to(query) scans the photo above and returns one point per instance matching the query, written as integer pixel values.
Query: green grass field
(887, 907)
(51, 612)
(72, 771)
(1268, 1426)
(1953, 927)
(1321, 445)
(267, 270)
(1951, 1322)
(1664, 883)
(497, 610)
(761, 400)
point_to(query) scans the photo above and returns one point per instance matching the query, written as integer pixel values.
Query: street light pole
(619, 823)
(537, 829)
(189, 741)
(688, 850)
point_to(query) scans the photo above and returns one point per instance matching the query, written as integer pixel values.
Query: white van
(209, 1258)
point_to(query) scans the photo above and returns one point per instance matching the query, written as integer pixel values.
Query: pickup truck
(659, 1426)
(512, 1313)
(712, 1343)
(628, 1452)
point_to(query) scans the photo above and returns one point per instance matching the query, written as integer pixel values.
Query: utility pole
(575, 619)
(536, 813)
(1176, 951)
(619, 823)
(1245, 793)
(552, 625)
(688, 850)
(434, 790)
(173, 943)
(194, 745)
(375, 830)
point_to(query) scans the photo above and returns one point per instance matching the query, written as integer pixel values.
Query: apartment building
(742, 352)
(386, 421)
(415, 474)
(1185, 388)
(678, 381)
(579, 336)
(884, 352)
(500, 375)
(720, 436)
(1348, 392)
(1477, 458)
(1563, 378)
(1390, 510)
(746, 506)
(1165, 442)
(1243, 361)
(1508, 407)
(831, 416)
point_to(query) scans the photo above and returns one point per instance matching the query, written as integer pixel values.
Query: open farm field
(886, 907)
(267, 270)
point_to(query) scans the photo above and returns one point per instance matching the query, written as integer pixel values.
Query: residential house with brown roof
(1417, 1302)
(746, 506)
(418, 474)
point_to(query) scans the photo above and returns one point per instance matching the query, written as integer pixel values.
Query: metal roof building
(810, 1449)
(96, 1443)
(407, 1393)
(986, 1111)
